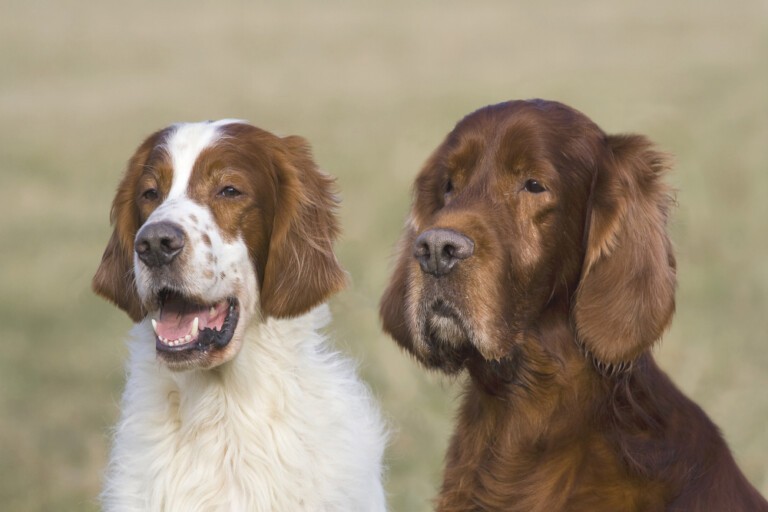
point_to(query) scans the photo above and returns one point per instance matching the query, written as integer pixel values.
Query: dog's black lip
(207, 338)
(441, 308)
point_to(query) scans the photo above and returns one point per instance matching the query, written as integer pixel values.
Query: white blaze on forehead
(184, 146)
(210, 267)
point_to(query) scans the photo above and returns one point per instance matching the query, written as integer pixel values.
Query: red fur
(553, 317)
(290, 235)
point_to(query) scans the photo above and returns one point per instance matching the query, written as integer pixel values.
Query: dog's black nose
(438, 250)
(159, 243)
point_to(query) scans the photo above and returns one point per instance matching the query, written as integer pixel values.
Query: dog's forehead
(184, 145)
(526, 134)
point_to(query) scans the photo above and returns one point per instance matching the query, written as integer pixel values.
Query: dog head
(525, 211)
(217, 224)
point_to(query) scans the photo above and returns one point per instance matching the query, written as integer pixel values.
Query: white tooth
(154, 325)
(212, 312)
(195, 325)
(188, 338)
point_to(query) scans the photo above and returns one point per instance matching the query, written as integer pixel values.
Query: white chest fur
(285, 426)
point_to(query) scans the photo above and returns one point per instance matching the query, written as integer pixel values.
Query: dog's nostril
(422, 250)
(438, 250)
(142, 246)
(172, 244)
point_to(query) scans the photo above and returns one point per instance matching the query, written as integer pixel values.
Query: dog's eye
(448, 187)
(229, 191)
(534, 187)
(150, 194)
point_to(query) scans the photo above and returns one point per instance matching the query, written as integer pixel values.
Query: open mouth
(185, 324)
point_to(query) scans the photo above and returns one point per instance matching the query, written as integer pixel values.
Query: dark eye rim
(534, 186)
(448, 186)
(229, 191)
(150, 194)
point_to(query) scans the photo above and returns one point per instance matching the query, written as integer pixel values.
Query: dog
(222, 255)
(536, 258)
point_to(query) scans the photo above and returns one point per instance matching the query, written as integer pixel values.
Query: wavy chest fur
(285, 426)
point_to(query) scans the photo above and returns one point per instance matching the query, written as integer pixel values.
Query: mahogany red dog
(536, 258)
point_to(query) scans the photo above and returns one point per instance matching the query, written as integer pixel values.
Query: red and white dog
(222, 255)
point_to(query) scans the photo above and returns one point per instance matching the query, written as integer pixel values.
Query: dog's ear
(301, 270)
(115, 279)
(626, 296)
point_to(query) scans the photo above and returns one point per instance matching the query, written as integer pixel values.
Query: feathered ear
(114, 279)
(626, 297)
(301, 269)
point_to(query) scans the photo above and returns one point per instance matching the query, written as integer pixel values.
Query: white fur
(283, 425)
(184, 145)
(201, 277)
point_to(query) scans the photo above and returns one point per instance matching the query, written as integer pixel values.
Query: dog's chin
(193, 333)
(201, 359)
(445, 325)
(446, 337)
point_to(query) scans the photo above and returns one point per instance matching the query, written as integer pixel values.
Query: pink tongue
(177, 316)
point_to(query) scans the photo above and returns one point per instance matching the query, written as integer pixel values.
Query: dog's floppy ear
(301, 270)
(114, 279)
(626, 296)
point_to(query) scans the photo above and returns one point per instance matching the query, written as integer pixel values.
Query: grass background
(374, 86)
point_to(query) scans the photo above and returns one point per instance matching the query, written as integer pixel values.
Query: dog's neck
(541, 418)
(270, 346)
(535, 365)
(522, 410)
(275, 415)
(272, 351)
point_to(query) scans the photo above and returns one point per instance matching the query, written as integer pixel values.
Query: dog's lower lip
(202, 339)
(440, 308)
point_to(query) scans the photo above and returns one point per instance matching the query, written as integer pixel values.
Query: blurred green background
(374, 86)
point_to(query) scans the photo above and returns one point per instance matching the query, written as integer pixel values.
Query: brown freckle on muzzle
(206, 239)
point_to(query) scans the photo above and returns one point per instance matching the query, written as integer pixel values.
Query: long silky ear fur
(301, 269)
(626, 296)
(114, 279)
